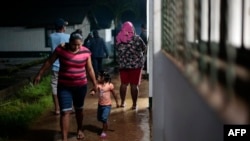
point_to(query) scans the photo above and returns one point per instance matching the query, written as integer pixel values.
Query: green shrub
(31, 93)
(30, 102)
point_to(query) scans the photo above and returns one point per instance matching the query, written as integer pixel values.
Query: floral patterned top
(131, 54)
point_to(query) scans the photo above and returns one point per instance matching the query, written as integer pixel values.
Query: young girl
(104, 90)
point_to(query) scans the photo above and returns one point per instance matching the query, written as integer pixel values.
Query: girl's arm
(115, 97)
(48, 63)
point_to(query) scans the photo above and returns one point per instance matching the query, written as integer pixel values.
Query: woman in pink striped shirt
(75, 60)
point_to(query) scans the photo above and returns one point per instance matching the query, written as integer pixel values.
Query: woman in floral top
(131, 50)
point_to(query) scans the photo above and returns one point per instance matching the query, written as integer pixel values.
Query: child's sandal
(103, 135)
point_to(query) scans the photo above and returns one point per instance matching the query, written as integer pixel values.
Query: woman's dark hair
(105, 75)
(75, 36)
(79, 31)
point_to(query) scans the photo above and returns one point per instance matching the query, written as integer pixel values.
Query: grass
(18, 112)
(16, 68)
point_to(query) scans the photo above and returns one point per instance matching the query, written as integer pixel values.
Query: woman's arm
(48, 63)
(91, 73)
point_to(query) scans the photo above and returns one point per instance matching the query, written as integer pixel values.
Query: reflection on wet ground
(124, 124)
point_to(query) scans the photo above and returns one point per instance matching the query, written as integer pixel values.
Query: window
(211, 36)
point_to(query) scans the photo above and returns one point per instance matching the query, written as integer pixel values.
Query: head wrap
(126, 33)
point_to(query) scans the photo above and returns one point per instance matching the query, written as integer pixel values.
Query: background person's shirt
(56, 39)
(143, 36)
(98, 48)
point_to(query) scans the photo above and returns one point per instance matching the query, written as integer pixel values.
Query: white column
(150, 19)
(215, 21)
(204, 20)
(158, 103)
(157, 26)
(234, 23)
(189, 14)
(246, 35)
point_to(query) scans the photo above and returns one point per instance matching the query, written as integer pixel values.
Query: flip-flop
(103, 135)
(123, 105)
(57, 112)
(134, 107)
(80, 135)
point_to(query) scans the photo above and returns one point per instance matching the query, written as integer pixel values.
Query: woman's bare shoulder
(63, 45)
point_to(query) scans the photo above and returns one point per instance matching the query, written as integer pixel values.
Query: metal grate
(183, 28)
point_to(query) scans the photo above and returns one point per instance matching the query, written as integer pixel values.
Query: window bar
(166, 24)
(203, 38)
(173, 28)
(196, 41)
(188, 31)
(180, 33)
(214, 39)
(234, 20)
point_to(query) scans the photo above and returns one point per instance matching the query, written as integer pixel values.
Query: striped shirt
(72, 66)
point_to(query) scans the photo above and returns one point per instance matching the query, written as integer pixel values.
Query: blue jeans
(66, 95)
(103, 113)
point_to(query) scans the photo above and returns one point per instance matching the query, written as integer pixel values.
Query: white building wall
(85, 27)
(32, 39)
(22, 39)
(106, 34)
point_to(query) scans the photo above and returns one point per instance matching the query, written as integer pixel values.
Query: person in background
(131, 53)
(143, 34)
(144, 37)
(87, 40)
(99, 51)
(75, 64)
(104, 90)
(57, 38)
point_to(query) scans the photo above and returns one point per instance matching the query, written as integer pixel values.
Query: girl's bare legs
(104, 129)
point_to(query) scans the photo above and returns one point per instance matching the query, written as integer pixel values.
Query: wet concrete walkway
(124, 124)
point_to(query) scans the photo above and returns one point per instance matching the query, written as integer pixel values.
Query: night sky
(27, 12)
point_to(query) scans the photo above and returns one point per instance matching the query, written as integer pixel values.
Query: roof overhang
(40, 13)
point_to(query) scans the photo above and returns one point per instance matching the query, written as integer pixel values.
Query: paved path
(125, 124)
